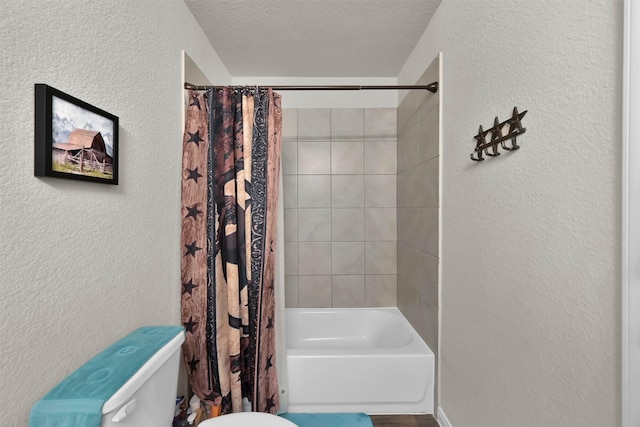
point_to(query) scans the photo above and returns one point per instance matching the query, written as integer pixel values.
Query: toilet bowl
(247, 419)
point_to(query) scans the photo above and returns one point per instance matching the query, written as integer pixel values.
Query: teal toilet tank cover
(77, 401)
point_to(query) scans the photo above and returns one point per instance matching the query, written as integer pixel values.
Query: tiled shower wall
(419, 208)
(339, 178)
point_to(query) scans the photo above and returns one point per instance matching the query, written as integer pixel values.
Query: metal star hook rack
(497, 137)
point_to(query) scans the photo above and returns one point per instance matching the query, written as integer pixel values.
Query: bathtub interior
(346, 329)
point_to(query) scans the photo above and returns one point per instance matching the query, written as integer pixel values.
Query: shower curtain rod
(432, 87)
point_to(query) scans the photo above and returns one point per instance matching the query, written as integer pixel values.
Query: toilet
(136, 378)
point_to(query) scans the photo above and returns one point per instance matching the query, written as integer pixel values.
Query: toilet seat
(247, 419)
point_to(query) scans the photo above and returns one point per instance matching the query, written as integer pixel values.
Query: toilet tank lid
(88, 388)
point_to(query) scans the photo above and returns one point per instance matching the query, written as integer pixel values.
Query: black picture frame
(74, 139)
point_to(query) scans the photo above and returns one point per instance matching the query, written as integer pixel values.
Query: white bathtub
(357, 360)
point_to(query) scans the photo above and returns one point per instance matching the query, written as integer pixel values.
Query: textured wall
(82, 264)
(530, 254)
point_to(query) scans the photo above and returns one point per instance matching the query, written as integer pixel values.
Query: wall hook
(497, 137)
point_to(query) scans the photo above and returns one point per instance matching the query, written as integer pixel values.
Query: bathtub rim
(417, 347)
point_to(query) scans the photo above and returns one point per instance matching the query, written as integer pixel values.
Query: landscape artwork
(74, 140)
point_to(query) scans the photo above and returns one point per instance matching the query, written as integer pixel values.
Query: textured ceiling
(313, 38)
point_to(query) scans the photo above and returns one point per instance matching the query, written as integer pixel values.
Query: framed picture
(73, 139)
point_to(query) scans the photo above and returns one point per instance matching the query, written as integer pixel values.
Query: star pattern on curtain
(193, 364)
(190, 325)
(269, 364)
(187, 288)
(193, 174)
(195, 138)
(192, 249)
(196, 101)
(270, 404)
(193, 211)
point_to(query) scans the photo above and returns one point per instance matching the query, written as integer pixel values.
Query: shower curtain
(231, 168)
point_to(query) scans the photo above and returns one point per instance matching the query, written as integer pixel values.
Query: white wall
(83, 264)
(631, 219)
(530, 290)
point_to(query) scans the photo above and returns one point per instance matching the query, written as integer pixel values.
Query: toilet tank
(148, 398)
(131, 383)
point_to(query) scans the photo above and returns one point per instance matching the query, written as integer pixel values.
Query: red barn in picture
(85, 149)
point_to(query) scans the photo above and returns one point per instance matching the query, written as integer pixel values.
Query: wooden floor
(404, 421)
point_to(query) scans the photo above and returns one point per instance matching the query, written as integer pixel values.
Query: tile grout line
(364, 214)
(297, 203)
(331, 197)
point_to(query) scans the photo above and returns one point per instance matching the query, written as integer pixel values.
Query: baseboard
(442, 418)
